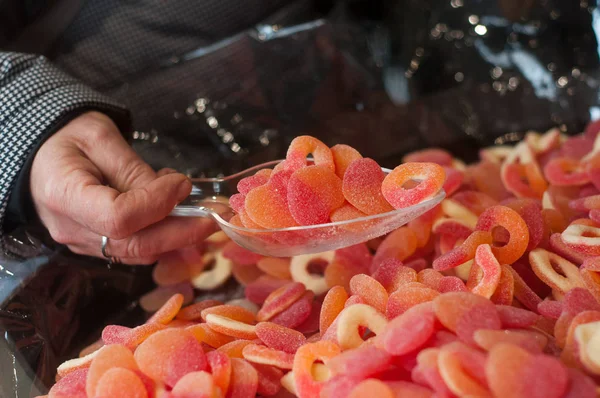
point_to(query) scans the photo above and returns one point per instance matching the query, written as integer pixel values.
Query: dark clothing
(108, 43)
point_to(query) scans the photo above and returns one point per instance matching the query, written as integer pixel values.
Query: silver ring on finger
(103, 249)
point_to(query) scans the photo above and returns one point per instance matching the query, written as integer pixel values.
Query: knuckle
(136, 248)
(115, 225)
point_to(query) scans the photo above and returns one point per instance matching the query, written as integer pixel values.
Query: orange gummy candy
(313, 193)
(343, 155)
(362, 187)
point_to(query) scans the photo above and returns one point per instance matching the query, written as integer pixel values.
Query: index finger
(116, 215)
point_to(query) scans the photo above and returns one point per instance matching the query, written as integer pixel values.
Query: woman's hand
(86, 181)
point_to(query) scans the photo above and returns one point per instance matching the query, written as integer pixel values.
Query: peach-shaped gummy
(219, 365)
(205, 334)
(372, 361)
(168, 311)
(372, 386)
(120, 383)
(195, 385)
(514, 373)
(280, 300)
(269, 379)
(450, 307)
(110, 356)
(244, 379)
(234, 312)
(410, 330)
(179, 352)
(372, 292)
(313, 193)
(362, 187)
(430, 178)
(268, 208)
(333, 304)
(73, 385)
(407, 297)
(343, 155)
(279, 337)
(268, 356)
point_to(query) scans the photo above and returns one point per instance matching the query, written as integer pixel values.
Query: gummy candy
(313, 192)
(179, 353)
(302, 146)
(430, 177)
(362, 187)
(343, 155)
(279, 337)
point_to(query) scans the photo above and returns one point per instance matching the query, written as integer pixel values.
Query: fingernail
(184, 190)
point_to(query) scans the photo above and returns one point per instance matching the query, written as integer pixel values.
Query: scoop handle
(190, 211)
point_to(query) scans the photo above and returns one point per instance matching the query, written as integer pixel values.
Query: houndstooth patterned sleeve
(36, 99)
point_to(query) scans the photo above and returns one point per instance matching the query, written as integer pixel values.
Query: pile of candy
(493, 293)
(340, 185)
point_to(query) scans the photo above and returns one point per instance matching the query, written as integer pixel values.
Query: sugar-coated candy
(244, 380)
(372, 292)
(372, 386)
(362, 187)
(533, 342)
(245, 274)
(333, 304)
(407, 297)
(372, 361)
(179, 353)
(219, 365)
(260, 354)
(193, 312)
(215, 277)
(206, 335)
(297, 313)
(299, 269)
(269, 380)
(109, 357)
(280, 300)
(275, 267)
(452, 363)
(430, 178)
(73, 385)
(313, 192)
(513, 372)
(240, 255)
(269, 208)
(392, 274)
(492, 293)
(409, 330)
(343, 155)
(231, 327)
(120, 383)
(305, 145)
(505, 217)
(130, 338)
(279, 337)
(354, 316)
(306, 385)
(230, 311)
(195, 384)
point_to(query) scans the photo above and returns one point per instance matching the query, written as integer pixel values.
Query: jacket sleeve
(36, 100)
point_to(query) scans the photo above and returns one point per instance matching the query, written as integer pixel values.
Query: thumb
(119, 215)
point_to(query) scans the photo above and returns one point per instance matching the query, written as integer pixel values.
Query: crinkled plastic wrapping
(457, 74)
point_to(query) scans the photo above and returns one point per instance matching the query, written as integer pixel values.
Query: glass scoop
(209, 199)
